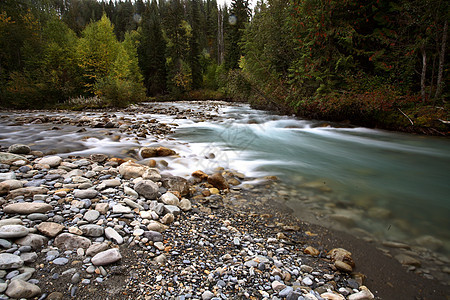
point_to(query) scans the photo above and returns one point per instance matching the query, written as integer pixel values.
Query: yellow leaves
(5, 20)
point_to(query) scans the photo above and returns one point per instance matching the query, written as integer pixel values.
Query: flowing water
(394, 186)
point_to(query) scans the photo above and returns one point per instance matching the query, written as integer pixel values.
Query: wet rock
(176, 183)
(35, 241)
(27, 192)
(106, 257)
(19, 149)
(10, 261)
(311, 251)
(147, 189)
(13, 231)
(340, 254)
(50, 229)
(408, 260)
(68, 241)
(218, 181)
(99, 158)
(200, 174)
(363, 294)
(52, 161)
(148, 152)
(430, 242)
(9, 158)
(21, 289)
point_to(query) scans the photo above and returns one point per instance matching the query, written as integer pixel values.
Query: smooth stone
(130, 170)
(130, 192)
(120, 209)
(102, 207)
(185, 204)
(342, 266)
(91, 215)
(52, 161)
(60, 261)
(106, 257)
(307, 281)
(92, 230)
(9, 158)
(332, 296)
(3, 287)
(364, 294)
(156, 226)
(170, 199)
(36, 241)
(13, 231)
(408, 260)
(55, 296)
(111, 234)
(29, 257)
(19, 149)
(68, 241)
(218, 181)
(10, 261)
(85, 194)
(147, 188)
(11, 221)
(96, 248)
(12, 184)
(133, 204)
(172, 209)
(50, 229)
(37, 217)
(278, 286)
(153, 236)
(26, 208)
(207, 295)
(22, 289)
(5, 244)
(285, 292)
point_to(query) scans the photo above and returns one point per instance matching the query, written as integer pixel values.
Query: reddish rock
(218, 181)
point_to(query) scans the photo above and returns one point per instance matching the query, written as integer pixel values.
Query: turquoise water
(363, 171)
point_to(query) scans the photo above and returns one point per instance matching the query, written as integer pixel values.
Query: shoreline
(388, 278)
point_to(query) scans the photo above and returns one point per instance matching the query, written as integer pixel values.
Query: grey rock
(29, 257)
(19, 149)
(185, 205)
(52, 161)
(61, 261)
(68, 241)
(22, 289)
(133, 204)
(147, 189)
(171, 209)
(13, 231)
(106, 257)
(207, 295)
(10, 261)
(9, 158)
(37, 217)
(26, 208)
(96, 248)
(111, 234)
(153, 236)
(85, 194)
(36, 241)
(91, 215)
(92, 230)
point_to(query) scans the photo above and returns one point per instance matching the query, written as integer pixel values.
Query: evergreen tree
(237, 20)
(194, 57)
(152, 49)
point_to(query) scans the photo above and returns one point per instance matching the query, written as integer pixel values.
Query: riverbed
(383, 186)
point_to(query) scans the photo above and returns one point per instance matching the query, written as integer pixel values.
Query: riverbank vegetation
(373, 63)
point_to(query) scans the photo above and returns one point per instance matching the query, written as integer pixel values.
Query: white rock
(111, 234)
(52, 161)
(363, 294)
(120, 209)
(106, 257)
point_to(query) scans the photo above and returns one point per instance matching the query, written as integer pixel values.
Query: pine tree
(194, 57)
(238, 18)
(151, 51)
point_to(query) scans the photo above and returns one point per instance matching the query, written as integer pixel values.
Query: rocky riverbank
(102, 227)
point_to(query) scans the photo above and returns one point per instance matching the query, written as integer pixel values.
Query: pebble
(106, 257)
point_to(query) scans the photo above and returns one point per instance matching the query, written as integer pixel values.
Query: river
(390, 186)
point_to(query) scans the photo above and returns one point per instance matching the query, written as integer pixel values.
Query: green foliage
(117, 92)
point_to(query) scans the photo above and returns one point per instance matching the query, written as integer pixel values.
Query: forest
(370, 62)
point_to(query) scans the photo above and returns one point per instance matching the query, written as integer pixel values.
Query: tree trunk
(440, 83)
(433, 71)
(424, 73)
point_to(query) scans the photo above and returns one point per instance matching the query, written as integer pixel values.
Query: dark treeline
(372, 62)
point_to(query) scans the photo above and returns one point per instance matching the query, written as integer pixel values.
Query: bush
(119, 93)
